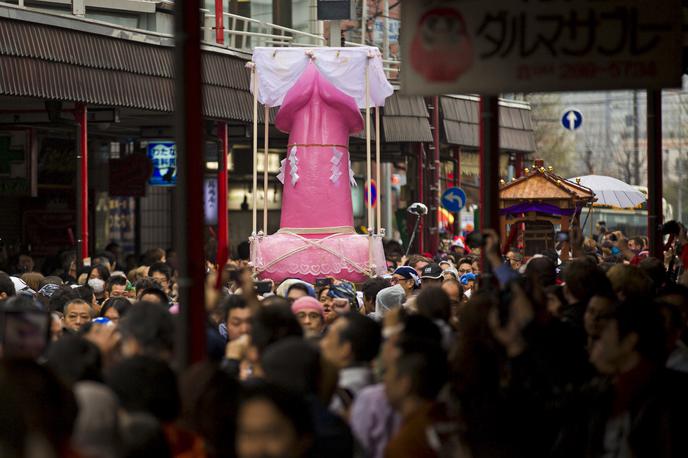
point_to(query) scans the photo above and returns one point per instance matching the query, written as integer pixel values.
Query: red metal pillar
(435, 189)
(82, 183)
(219, 23)
(421, 227)
(188, 230)
(489, 166)
(457, 183)
(655, 209)
(222, 223)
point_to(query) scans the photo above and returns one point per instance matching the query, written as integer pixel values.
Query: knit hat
(283, 288)
(307, 303)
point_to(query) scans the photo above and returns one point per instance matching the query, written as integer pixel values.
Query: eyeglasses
(465, 271)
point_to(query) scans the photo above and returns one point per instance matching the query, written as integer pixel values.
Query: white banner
(491, 47)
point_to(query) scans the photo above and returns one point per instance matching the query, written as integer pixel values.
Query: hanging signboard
(474, 46)
(163, 156)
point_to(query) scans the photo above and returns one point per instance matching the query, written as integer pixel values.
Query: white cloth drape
(280, 68)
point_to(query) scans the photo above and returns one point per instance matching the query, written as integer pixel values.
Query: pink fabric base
(314, 262)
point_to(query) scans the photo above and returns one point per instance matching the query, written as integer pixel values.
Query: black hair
(637, 316)
(110, 246)
(6, 285)
(105, 256)
(121, 304)
(162, 268)
(157, 292)
(372, 286)
(151, 325)
(75, 359)
(654, 268)
(244, 250)
(234, 301)
(60, 297)
(102, 271)
(115, 280)
(85, 292)
(146, 384)
(210, 398)
(584, 279)
(364, 334)
(420, 328)
(147, 282)
(290, 405)
(272, 323)
(434, 303)
(299, 286)
(426, 364)
(542, 270)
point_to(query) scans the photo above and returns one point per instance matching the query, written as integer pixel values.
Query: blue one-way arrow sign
(572, 119)
(454, 199)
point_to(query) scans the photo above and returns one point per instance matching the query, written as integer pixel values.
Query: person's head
(465, 266)
(633, 332)
(674, 324)
(75, 359)
(555, 299)
(86, 294)
(310, 314)
(431, 276)
(353, 339)
(677, 295)
(271, 324)
(541, 271)
(635, 244)
(407, 277)
(24, 264)
(328, 305)
(146, 384)
(152, 256)
(154, 295)
(77, 313)
(418, 373)
(418, 263)
(343, 296)
(33, 280)
(116, 286)
(600, 307)
(115, 308)
(514, 259)
(273, 423)
(162, 273)
(293, 364)
(453, 289)
(583, 279)
(237, 317)
(434, 303)
(6, 286)
(99, 271)
(297, 291)
(654, 268)
(105, 259)
(145, 282)
(389, 299)
(210, 400)
(370, 289)
(147, 329)
(629, 282)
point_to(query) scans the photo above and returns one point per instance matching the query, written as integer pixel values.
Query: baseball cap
(409, 273)
(432, 271)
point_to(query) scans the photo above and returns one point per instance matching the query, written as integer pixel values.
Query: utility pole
(636, 146)
(679, 133)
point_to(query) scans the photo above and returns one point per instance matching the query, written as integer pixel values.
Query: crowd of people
(476, 351)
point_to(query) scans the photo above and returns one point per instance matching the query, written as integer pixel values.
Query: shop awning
(406, 119)
(50, 62)
(460, 118)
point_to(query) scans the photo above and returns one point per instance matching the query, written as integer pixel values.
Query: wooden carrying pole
(378, 208)
(266, 120)
(255, 150)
